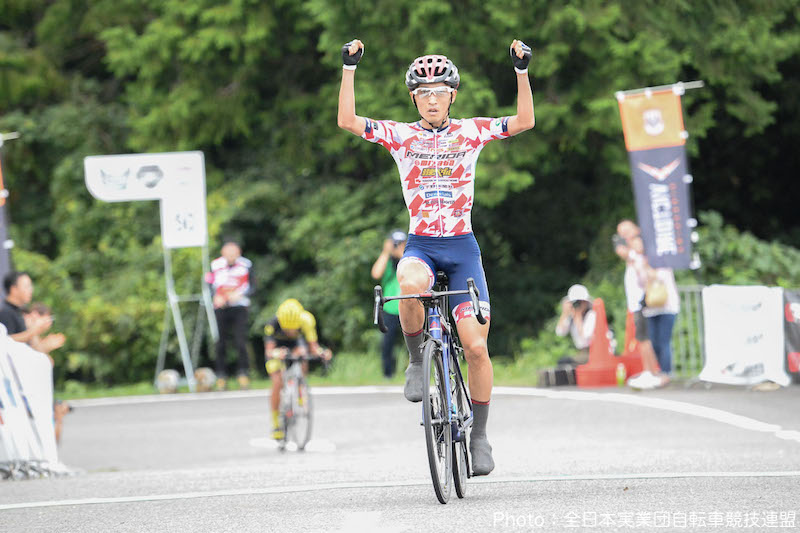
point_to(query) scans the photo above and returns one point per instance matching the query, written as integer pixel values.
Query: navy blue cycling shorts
(460, 258)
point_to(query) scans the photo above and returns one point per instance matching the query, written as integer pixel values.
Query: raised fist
(520, 54)
(352, 52)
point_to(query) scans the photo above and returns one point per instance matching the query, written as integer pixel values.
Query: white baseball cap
(578, 292)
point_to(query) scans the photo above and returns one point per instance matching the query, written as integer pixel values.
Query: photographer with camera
(385, 270)
(578, 319)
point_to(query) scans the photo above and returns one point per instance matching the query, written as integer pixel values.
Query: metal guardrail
(688, 340)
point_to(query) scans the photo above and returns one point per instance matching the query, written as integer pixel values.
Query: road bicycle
(295, 408)
(446, 405)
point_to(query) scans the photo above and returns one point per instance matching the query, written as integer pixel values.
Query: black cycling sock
(480, 412)
(414, 345)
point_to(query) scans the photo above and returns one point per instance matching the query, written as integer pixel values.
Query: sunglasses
(427, 92)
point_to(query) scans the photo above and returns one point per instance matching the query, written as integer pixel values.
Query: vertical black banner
(791, 329)
(5, 258)
(661, 188)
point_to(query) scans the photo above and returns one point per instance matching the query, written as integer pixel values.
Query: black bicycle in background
(446, 406)
(295, 407)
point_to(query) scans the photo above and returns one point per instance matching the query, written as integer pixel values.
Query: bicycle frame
(438, 328)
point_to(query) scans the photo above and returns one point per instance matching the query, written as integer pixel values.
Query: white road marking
(388, 484)
(674, 406)
(313, 446)
(225, 395)
(637, 400)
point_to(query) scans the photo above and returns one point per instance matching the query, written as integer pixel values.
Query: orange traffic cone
(601, 370)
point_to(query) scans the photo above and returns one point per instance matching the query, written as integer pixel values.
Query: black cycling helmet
(432, 69)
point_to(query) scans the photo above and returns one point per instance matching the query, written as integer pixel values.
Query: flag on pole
(5, 259)
(655, 136)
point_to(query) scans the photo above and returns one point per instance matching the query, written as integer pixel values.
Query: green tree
(254, 86)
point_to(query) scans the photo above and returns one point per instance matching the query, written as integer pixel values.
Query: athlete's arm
(524, 119)
(319, 351)
(347, 118)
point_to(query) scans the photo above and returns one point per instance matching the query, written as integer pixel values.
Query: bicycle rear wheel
(438, 436)
(300, 429)
(462, 402)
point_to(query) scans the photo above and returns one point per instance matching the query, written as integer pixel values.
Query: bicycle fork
(435, 330)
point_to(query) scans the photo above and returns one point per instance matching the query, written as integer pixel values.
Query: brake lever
(377, 315)
(474, 295)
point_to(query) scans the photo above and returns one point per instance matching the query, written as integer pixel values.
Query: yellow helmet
(289, 313)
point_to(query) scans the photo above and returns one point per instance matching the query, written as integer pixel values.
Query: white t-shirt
(583, 337)
(634, 288)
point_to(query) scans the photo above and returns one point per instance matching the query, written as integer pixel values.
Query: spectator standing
(19, 293)
(28, 326)
(385, 270)
(232, 283)
(630, 248)
(578, 320)
(661, 320)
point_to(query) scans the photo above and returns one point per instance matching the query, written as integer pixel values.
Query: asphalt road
(723, 459)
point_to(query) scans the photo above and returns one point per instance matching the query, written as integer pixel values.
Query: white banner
(27, 431)
(183, 216)
(743, 335)
(177, 179)
(132, 177)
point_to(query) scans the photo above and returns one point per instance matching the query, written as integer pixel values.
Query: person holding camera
(385, 270)
(577, 319)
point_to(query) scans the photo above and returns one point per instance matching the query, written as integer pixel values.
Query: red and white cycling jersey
(437, 169)
(225, 278)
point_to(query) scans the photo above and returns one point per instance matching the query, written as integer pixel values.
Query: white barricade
(27, 433)
(743, 335)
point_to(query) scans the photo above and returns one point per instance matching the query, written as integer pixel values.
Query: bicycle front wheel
(300, 430)
(438, 436)
(461, 400)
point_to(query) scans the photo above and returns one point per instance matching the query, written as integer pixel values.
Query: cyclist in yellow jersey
(293, 330)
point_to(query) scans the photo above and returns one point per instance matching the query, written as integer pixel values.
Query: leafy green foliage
(254, 86)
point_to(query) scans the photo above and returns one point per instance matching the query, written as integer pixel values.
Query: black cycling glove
(521, 64)
(351, 60)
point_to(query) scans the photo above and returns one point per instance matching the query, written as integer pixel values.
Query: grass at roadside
(346, 369)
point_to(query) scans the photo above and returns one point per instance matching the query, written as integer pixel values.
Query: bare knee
(476, 351)
(413, 277)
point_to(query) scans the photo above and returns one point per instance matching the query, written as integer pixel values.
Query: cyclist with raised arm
(437, 157)
(292, 331)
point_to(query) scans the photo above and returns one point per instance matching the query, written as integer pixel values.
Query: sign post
(177, 180)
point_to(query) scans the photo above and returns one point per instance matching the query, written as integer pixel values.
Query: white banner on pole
(743, 335)
(178, 181)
